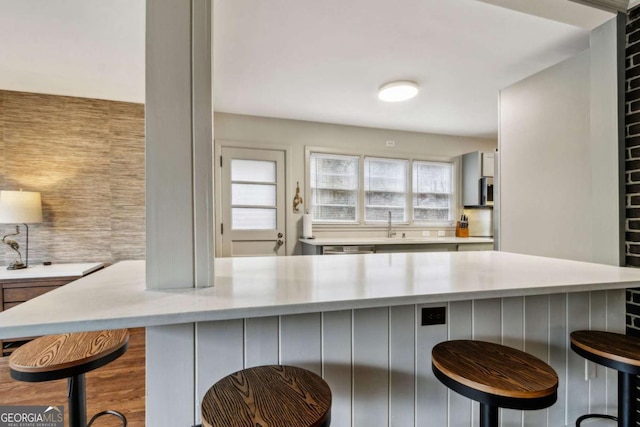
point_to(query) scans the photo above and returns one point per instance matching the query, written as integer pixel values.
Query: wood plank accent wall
(86, 157)
(378, 361)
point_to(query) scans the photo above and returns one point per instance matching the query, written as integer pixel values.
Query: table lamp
(19, 207)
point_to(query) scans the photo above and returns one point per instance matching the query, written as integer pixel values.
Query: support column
(179, 192)
(179, 126)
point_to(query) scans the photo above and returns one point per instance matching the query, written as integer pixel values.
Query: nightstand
(18, 286)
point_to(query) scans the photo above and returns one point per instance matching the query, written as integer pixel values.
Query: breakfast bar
(357, 320)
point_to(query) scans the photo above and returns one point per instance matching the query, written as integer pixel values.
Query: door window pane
(385, 186)
(334, 187)
(253, 219)
(253, 170)
(253, 194)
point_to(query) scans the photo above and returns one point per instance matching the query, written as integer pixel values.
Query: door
(253, 214)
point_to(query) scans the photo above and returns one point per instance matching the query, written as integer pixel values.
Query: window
(385, 187)
(253, 195)
(334, 187)
(432, 191)
(336, 196)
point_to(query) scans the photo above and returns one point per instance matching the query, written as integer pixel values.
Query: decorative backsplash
(86, 157)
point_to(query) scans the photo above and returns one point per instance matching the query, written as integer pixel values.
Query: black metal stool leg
(76, 397)
(109, 412)
(627, 395)
(488, 415)
(586, 417)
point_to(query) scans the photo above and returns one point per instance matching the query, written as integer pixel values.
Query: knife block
(461, 232)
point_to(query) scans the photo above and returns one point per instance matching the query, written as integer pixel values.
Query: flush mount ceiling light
(397, 91)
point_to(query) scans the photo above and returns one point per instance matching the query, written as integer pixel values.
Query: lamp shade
(20, 207)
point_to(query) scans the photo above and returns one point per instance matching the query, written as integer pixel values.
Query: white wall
(607, 204)
(293, 136)
(558, 144)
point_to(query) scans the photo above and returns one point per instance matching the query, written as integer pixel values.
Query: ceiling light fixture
(397, 91)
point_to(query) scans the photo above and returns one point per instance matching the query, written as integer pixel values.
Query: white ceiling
(86, 48)
(307, 59)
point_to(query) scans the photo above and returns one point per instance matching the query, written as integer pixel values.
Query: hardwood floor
(119, 386)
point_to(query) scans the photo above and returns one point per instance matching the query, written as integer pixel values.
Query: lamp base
(17, 265)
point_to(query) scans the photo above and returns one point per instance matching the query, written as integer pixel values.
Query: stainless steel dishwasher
(346, 250)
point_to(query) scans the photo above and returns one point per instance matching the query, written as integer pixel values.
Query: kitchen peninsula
(357, 320)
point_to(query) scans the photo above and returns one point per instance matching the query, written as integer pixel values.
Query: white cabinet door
(253, 191)
(466, 247)
(487, 164)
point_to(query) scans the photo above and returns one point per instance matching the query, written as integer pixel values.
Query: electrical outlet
(440, 233)
(426, 233)
(434, 316)
(391, 143)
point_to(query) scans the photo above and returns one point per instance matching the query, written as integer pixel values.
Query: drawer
(8, 305)
(25, 294)
(37, 283)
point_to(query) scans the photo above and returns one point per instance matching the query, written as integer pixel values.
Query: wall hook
(297, 200)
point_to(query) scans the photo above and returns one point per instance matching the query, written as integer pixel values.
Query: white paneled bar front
(378, 360)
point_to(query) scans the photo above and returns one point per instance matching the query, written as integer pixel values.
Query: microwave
(486, 191)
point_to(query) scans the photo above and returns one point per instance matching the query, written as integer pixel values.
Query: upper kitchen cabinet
(477, 178)
(487, 160)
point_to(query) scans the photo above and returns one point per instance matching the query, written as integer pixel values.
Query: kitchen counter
(395, 240)
(264, 286)
(356, 320)
(350, 245)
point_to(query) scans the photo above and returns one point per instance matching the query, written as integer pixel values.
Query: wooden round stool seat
(268, 396)
(70, 356)
(619, 352)
(496, 376)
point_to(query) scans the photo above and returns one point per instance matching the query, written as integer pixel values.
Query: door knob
(279, 243)
(279, 235)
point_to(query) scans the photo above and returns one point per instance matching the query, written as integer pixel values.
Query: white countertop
(39, 271)
(252, 287)
(343, 241)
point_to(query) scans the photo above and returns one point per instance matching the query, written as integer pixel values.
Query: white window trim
(360, 224)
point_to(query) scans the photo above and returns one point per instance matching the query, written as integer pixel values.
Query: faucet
(390, 232)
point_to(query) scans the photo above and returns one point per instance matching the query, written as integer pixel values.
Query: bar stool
(70, 356)
(274, 396)
(496, 376)
(619, 352)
